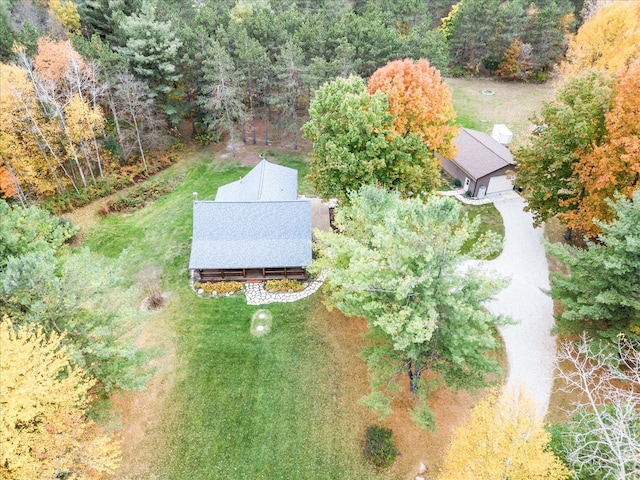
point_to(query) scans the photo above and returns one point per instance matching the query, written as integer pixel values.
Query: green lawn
(277, 407)
(242, 407)
(246, 407)
(510, 103)
(490, 220)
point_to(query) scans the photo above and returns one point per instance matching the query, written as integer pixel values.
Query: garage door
(499, 184)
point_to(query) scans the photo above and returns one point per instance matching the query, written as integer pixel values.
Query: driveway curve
(529, 344)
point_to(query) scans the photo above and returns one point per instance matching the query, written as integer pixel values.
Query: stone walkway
(257, 295)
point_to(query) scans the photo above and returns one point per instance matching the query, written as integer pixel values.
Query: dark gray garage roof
(266, 181)
(480, 155)
(251, 234)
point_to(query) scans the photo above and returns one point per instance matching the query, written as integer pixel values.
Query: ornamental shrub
(220, 287)
(283, 285)
(378, 446)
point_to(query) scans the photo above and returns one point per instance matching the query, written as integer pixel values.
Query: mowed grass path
(277, 407)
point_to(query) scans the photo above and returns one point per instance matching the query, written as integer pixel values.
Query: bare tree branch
(604, 432)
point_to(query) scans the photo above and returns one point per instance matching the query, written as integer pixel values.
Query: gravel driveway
(530, 347)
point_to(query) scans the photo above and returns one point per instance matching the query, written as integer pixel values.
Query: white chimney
(502, 134)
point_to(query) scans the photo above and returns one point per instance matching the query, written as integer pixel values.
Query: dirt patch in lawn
(482, 102)
(248, 153)
(344, 335)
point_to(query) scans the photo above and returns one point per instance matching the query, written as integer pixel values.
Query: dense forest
(93, 86)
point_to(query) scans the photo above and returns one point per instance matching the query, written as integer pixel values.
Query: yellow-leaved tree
(614, 165)
(44, 428)
(66, 12)
(608, 41)
(504, 438)
(24, 135)
(66, 76)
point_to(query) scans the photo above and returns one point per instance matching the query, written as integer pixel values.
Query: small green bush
(457, 183)
(540, 77)
(378, 446)
(206, 139)
(283, 285)
(458, 71)
(220, 287)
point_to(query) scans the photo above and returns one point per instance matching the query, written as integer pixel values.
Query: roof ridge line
(488, 147)
(261, 183)
(297, 200)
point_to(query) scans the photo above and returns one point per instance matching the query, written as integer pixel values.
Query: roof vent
(195, 196)
(502, 134)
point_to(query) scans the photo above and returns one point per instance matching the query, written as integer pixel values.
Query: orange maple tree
(613, 166)
(7, 186)
(54, 58)
(420, 101)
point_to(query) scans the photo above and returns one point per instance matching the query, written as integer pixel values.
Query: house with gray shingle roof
(255, 229)
(482, 163)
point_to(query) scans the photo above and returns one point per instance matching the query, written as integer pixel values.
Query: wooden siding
(250, 274)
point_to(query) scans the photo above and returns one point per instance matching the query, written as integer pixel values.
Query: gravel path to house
(529, 345)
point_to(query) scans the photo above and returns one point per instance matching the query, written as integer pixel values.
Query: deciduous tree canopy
(584, 150)
(568, 129)
(614, 165)
(44, 427)
(397, 263)
(504, 438)
(355, 143)
(420, 102)
(608, 41)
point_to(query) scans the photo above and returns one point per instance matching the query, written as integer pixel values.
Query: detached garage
(482, 164)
